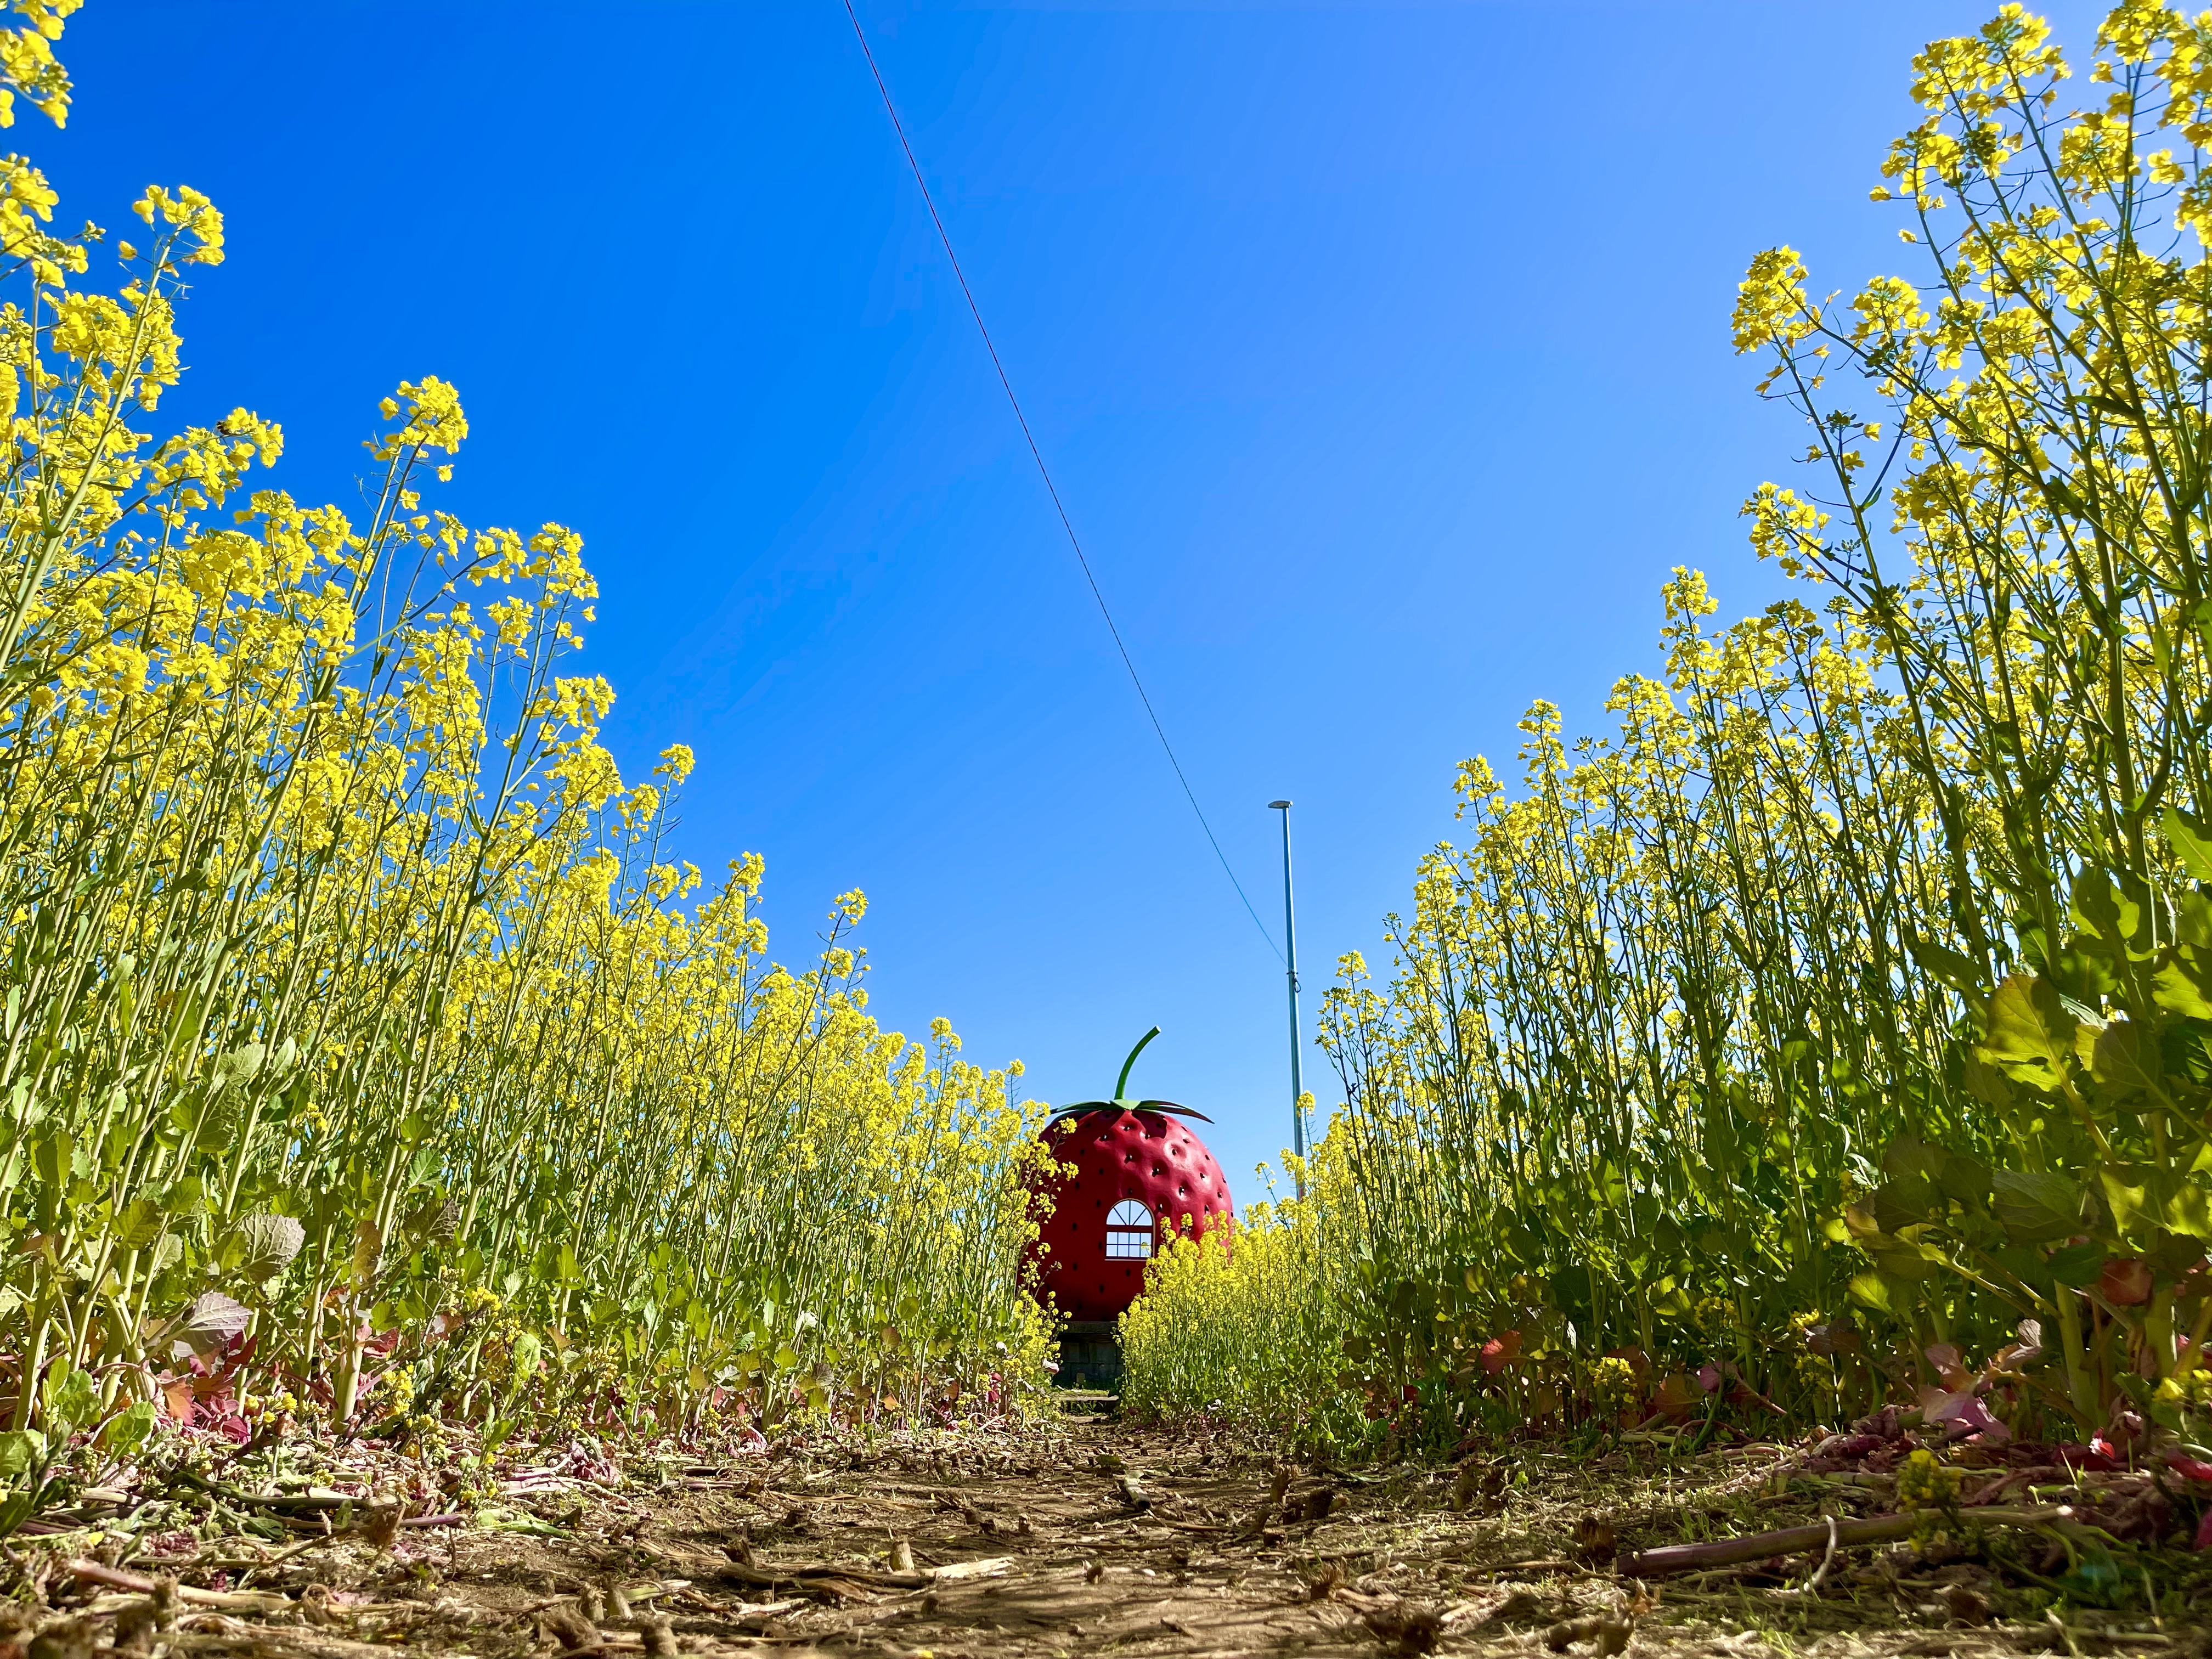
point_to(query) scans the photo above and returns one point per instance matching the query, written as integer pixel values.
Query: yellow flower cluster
(1924, 1482)
(28, 64)
(1866, 953)
(342, 971)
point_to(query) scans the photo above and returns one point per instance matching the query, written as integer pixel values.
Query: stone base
(1090, 1358)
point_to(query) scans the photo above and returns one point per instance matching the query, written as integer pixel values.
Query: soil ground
(1089, 1536)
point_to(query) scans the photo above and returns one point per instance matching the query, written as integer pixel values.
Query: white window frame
(1131, 1231)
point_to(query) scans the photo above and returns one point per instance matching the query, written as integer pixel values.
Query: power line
(1045, 472)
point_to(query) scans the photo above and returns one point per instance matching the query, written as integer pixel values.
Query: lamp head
(1278, 804)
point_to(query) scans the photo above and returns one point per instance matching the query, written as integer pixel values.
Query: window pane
(1129, 1232)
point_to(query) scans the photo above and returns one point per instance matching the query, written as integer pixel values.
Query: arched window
(1129, 1231)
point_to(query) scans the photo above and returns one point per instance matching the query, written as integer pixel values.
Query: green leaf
(2125, 1058)
(2035, 1206)
(2188, 1209)
(1871, 1291)
(2190, 840)
(2077, 1265)
(434, 1221)
(139, 1225)
(1908, 1154)
(1942, 963)
(210, 1324)
(53, 1156)
(1902, 1203)
(72, 1400)
(2128, 1194)
(243, 1063)
(368, 1250)
(1987, 1084)
(1910, 1262)
(2151, 1202)
(19, 1449)
(125, 1431)
(269, 1243)
(2176, 989)
(2031, 1036)
(1571, 1287)
(1966, 1179)
(2110, 917)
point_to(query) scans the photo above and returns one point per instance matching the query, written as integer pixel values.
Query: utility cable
(1045, 472)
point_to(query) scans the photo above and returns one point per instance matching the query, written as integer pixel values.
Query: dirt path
(1095, 1539)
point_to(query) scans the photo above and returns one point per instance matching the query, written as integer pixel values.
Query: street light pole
(1290, 943)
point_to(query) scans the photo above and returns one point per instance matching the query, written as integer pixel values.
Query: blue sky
(1379, 353)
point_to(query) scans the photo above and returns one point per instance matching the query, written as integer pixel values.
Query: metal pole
(1291, 944)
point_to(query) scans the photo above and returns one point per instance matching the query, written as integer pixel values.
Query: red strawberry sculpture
(1125, 1173)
